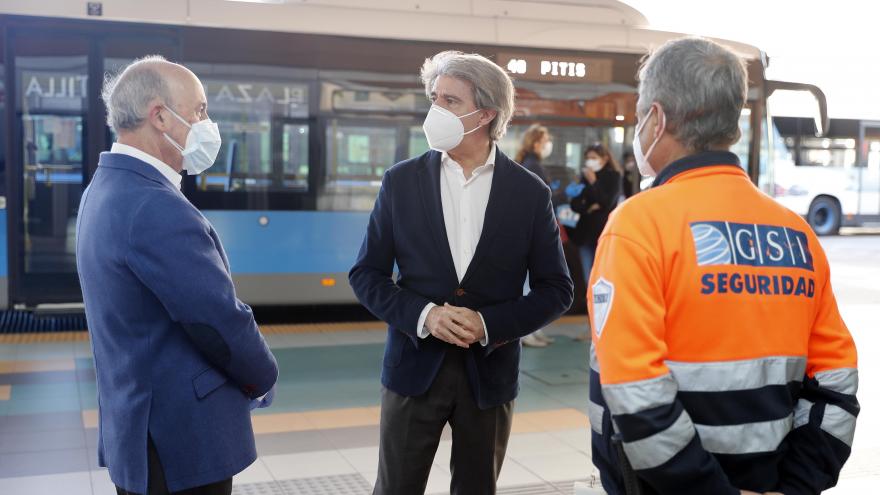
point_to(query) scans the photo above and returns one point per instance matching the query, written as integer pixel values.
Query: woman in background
(601, 179)
(536, 145)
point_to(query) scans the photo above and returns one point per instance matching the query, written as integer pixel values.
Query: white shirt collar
(445, 159)
(172, 175)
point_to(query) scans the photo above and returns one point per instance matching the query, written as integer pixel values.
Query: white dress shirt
(169, 173)
(464, 210)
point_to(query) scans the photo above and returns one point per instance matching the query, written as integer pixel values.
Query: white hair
(492, 87)
(128, 94)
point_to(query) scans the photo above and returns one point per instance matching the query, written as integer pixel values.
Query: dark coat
(605, 192)
(519, 236)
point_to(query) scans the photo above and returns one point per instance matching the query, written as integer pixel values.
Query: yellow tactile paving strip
(525, 422)
(5, 392)
(43, 338)
(54, 337)
(36, 366)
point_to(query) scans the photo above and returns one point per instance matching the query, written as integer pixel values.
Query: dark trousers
(410, 430)
(156, 482)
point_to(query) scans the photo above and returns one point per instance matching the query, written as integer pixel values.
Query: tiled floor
(321, 435)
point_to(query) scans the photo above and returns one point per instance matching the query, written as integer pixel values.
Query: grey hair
(491, 86)
(128, 93)
(702, 87)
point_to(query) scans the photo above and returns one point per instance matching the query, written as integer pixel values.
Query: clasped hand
(455, 325)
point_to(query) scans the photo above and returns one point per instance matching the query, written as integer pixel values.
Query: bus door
(869, 168)
(58, 132)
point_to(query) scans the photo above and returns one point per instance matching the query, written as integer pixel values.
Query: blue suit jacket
(177, 355)
(519, 235)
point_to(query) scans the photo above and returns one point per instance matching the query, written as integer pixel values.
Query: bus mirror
(819, 104)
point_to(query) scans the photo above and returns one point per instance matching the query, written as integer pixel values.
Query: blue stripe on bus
(291, 242)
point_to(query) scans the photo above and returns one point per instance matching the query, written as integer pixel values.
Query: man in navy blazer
(464, 225)
(179, 359)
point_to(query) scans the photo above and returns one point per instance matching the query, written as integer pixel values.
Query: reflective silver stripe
(802, 412)
(660, 447)
(595, 412)
(594, 361)
(746, 374)
(747, 438)
(839, 423)
(842, 380)
(632, 397)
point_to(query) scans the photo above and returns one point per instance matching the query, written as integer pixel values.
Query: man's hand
(470, 320)
(444, 324)
(747, 492)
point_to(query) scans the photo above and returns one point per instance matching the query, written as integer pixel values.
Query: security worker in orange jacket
(721, 364)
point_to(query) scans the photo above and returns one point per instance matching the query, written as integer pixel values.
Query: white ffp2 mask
(444, 129)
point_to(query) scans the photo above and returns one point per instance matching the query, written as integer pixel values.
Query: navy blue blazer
(520, 236)
(177, 355)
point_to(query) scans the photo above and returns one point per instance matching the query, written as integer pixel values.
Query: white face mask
(444, 129)
(645, 167)
(593, 164)
(202, 144)
(547, 150)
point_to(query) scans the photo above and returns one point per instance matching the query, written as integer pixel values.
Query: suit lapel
(498, 204)
(429, 187)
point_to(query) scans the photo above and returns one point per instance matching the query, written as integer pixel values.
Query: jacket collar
(695, 161)
(126, 162)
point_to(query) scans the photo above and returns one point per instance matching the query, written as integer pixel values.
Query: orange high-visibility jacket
(719, 356)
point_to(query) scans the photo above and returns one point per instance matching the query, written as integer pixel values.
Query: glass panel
(418, 143)
(295, 156)
(741, 147)
(357, 156)
(2, 130)
(574, 155)
(252, 105)
(828, 152)
(568, 144)
(52, 101)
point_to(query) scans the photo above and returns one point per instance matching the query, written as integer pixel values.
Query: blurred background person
(536, 146)
(601, 180)
(631, 177)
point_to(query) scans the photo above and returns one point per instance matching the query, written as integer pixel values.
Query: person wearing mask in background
(632, 179)
(536, 146)
(179, 359)
(601, 181)
(464, 224)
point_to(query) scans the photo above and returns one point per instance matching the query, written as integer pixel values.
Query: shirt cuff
(421, 330)
(485, 340)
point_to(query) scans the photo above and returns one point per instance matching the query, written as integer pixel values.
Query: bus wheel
(824, 216)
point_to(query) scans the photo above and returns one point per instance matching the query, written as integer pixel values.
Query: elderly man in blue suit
(464, 224)
(179, 359)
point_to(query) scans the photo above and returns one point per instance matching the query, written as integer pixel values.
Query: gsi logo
(728, 243)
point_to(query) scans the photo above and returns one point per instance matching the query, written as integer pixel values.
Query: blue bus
(310, 121)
